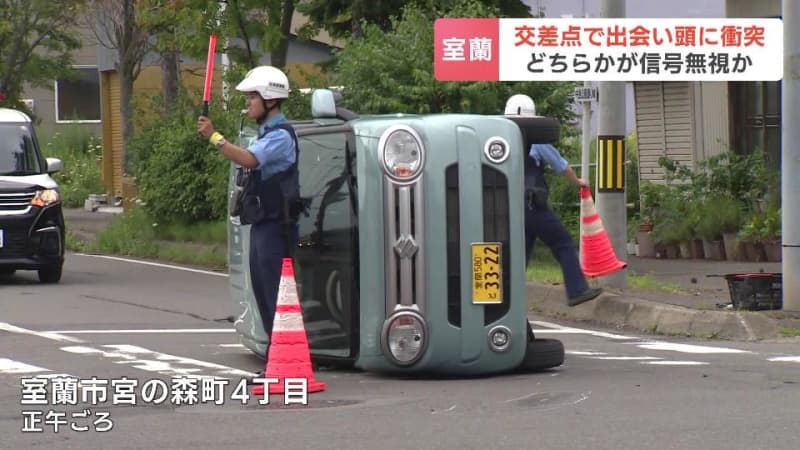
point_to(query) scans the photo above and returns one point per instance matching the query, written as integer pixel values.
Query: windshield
(17, 152)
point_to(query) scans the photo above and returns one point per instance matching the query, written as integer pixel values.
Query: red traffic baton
(212, 48)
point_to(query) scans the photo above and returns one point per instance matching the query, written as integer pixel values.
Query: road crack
(154, 308)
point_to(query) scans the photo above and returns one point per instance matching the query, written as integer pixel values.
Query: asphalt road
(109, 319)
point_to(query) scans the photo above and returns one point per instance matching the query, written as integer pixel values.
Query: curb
(620, 311)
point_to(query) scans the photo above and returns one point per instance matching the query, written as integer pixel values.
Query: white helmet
(520, 105)
(268, 81)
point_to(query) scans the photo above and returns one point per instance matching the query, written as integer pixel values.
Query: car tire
(51, 274)
(543, 354)
(538, 130)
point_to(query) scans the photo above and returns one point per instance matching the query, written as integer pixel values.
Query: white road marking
(676, 363)
(148, 331)
(785, 359)
(162, 363)
(232, 345)
(154, 264)
(688, 348)
(46, 334)
(624, 358)
(11, 366)
(554, 328)
(583, 353)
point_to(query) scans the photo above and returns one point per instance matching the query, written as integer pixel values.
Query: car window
(326, 252)
(17, 151)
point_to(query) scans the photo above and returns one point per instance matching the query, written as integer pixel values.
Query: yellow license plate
(487, 269)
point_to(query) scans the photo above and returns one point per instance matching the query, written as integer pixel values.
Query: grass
(790, 332)
(544, 268)
(81, 173)
(136, 234)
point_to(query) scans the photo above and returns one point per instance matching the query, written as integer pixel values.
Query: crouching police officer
(540, 221)
(271, 191)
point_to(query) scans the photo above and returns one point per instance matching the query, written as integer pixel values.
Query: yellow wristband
(215, 138)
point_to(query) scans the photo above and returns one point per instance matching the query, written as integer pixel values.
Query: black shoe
(589, 294)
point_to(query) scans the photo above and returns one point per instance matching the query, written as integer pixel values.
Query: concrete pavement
(700, 307)
(696, 309)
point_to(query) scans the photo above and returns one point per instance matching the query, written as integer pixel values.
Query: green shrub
(181, 178)
(81, 174)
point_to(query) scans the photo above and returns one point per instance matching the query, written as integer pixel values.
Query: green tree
(346, 18)
(115, 25)
(37, 39)
(393, 72)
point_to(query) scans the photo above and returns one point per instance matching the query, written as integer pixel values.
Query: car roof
(8, 115)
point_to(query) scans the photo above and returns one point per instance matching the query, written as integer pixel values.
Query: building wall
(689, 121)
(665, 126)
(753, 8)
(712, 125)
(45, 98)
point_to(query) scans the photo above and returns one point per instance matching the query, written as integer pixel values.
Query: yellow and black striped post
(611, 163)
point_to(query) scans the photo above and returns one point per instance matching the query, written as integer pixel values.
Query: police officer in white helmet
(270, 200)
(540, 221)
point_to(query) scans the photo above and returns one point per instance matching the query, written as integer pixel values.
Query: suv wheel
(50, 274)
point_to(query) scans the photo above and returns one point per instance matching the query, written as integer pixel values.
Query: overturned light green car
(411, 257)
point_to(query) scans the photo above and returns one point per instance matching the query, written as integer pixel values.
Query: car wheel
(333, 297)
(51, 274)
(543, 354)
(538, 130)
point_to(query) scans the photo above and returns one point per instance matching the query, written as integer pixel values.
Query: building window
(756, 119)
(78, 97)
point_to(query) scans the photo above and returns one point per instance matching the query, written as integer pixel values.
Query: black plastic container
(756, 291)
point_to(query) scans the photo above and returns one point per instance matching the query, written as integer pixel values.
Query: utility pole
(790, 155)
(611, 156)
(586, 130)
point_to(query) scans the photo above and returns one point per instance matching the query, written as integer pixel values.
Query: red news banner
(608, 49)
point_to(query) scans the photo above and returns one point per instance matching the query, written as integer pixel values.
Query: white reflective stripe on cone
(587, 207)
(287, 296)
(592, 228)
(288, 322)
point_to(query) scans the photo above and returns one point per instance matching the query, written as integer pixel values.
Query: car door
(327, 248)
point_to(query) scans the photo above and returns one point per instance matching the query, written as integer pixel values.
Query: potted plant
(695, 214)
(772, 235)
(729, 214)
(652, 199)
(751, 236)
(709, 229)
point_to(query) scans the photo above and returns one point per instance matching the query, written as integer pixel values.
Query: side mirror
(53, 165)
(323, 104)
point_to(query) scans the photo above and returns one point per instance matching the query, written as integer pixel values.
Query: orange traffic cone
(289, 356)
(597, 254)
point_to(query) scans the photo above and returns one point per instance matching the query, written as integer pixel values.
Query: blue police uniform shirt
(547, 153)
(275, 151)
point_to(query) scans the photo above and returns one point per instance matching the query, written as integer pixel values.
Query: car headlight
(402, 154)
(404, 337)
(45, 197)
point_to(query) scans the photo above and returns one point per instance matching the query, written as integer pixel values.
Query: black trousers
(268, 247)
(542, 223)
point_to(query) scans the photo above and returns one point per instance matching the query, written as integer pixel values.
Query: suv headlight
(45, 197)
(402, 153)
(404, 337)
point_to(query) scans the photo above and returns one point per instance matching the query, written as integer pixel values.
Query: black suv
(32, 228)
